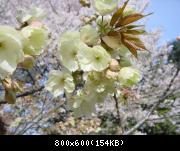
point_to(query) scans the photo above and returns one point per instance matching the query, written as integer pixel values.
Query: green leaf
(163, 111)
(125, 62)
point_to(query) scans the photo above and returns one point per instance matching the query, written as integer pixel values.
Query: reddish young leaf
(131, 18)
(135, 32)
(132, 48)
(113, 42)
(131, 37)
(113, 33)
(135, 41)
(134, 26)
(118, 14)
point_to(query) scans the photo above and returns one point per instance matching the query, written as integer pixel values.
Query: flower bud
(114, 65)
(36, 24)
(28, 62)
(111, 74)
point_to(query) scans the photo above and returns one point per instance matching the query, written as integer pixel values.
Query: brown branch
(30, 92)
(2, 102)
(117, 110)
(27, 93)
(31, 77)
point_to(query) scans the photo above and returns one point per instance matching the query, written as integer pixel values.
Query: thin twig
(31, 77)
(27, 93)
(30, 92)
(53, 8)
(165, 117)
(117, 110)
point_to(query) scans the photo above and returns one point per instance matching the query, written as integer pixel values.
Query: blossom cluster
(95, 65)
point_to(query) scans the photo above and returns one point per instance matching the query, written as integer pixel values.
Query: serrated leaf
(134, 26)
(140, 45)
(118, 14)
(131, 37)
(131, 18)
(135, 40)
(132, 48)
(136, 32)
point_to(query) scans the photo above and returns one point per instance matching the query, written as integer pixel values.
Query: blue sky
(166, 16)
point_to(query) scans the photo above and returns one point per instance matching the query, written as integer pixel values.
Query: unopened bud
(28, 62)
(111, 74)
(114, 65)
(36, 24)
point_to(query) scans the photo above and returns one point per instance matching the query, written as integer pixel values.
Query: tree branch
(162, 98)
(117, 110)
(30, 92)
(25, 94)
(162, 118)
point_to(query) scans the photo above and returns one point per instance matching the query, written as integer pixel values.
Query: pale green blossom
(104, 20)
(69, 35)
(89, 35)
(82, 105)
(35, 14)
(10, 50)
(93, 59)
(105, 7)
(128, 76)
(59, 81)
(34, 40)
(68, 54)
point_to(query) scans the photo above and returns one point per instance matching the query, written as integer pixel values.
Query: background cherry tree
(154, 100)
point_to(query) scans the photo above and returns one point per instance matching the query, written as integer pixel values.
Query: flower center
(62, 81)
(1, 45)
(74, 53)
(97, 58)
